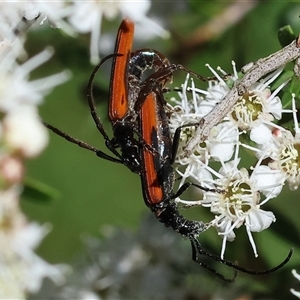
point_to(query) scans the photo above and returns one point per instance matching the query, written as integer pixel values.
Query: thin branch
(253, 72)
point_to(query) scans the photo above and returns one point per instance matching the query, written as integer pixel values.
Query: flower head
(235, 194)
(96, 10)
(240, 203)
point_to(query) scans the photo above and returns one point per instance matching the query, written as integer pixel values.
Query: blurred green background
(94, 192)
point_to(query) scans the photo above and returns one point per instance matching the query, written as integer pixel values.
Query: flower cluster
(146, 263)
(96, 10)
(238, 190)
(22, 134)
(75, 17)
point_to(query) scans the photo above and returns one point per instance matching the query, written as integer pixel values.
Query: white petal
(38, 269)
(275, 107)
(222, 152)
(79, 18)
(296, 275)
(229, 167)
(135, 10)
(23, 132)
(260, 219)
(295, 293)
(267, 181)
(261, 134)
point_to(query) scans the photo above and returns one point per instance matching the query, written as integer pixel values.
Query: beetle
(158, 177)
(125, 84)
(127, 70)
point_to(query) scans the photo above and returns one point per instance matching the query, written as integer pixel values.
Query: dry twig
(253, 72)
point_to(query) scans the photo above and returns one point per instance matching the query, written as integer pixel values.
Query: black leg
(198, 250)
(195, 251)
(91, 102)
(82, 144)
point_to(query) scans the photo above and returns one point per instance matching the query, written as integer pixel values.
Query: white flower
(35, 269)
(10, 16)
(22, 129)
(237, 198)
(240, 202)
(16, 89)
(220, 143)
(11, 169)
(282, 151)
(217, 89)
(285, 157)
(183, 113)
(22, 135)
(21, 270)
(257, 108)
(23, 132)
(21, 15)
(5, 47)
(204, 100)
(236, 195)
(53, 11)
(11, 13)
(87, 17)
(197, 173)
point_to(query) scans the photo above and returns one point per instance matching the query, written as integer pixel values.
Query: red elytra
(118, 90)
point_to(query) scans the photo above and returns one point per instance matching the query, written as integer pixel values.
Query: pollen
(290, 163)
(248, 109)
(236, 197)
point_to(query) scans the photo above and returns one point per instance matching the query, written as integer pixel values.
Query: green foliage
(286, 35)
(94, 192)
(35, 190)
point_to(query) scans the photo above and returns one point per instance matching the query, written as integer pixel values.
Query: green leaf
(286, 35)
(295, 86)
(35, 190)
